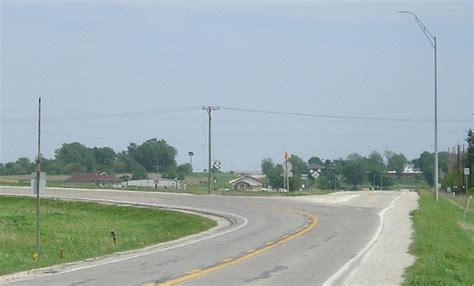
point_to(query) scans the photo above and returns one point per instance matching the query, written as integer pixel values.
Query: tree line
(153, 155)
(356, 169)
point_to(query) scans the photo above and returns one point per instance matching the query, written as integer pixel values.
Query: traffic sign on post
(287, 166)
(287, 174)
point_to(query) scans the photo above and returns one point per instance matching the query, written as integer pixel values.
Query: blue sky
(111, 73)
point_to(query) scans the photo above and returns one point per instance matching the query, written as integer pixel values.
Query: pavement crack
(82, 282)
(267, 274)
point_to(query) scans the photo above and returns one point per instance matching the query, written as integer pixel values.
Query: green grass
(82, 230)
(443, 244)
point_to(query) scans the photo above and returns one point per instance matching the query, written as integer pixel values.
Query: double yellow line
(312, 222)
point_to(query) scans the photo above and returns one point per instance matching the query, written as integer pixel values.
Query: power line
(93, 116)
(325, 115)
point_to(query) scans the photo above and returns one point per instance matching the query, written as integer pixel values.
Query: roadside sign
(42, 184)
(217, 164)
(286, 156)
(467, 171)
(287, 174)
(287, 166)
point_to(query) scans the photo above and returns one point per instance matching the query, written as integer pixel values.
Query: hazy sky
(111, 73)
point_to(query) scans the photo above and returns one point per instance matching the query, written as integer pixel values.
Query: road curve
(271, 241)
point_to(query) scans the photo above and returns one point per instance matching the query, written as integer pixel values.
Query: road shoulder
(385, 262)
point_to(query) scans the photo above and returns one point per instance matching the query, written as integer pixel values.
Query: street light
(191, 154)
(432, 40)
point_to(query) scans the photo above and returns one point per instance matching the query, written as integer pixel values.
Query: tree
(299, 167)
(154, 155)
(426, 163)
(396, 162)
(267, 166)
(274, 176)
(331, 174)
(104, 156)
(354, 157)
(23, 166)
(315, 160)
(139, 173)
(470, 155)
(375, 168)
(354, 172)
(75, 157)
(124, 163)
(184, 170)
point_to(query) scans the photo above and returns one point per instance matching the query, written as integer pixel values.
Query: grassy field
(197, 184)
(82, 230)
(443, 244)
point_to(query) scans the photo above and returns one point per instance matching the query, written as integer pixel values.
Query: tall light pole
(432, 40)
(191, 154)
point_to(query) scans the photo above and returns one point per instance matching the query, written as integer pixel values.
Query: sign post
(467, 172)
(287, 168)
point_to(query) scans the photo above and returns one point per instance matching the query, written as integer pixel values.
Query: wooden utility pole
(209, 110)
(38, 175)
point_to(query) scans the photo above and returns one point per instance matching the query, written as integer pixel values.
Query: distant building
(153, 183)
(247, 183)
(97, 178)
(409, 172)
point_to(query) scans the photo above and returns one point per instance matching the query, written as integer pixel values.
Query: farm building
(247, 183)
(97, 178)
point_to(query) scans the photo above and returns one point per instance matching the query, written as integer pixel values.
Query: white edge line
(364, 250)
(146, 253)
(100, 190)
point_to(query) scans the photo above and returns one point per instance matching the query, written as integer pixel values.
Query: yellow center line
(312, 220)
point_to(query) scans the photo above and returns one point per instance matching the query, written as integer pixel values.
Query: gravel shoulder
(384, 259)
(385, 262)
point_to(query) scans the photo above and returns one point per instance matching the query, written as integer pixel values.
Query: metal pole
(38, 171)
(432, 40)
(209, 162)
(436, 116)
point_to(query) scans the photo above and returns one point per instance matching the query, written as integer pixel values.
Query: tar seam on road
(313, 221)
(364, 250)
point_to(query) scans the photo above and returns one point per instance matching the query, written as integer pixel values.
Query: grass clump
(83, 230)
(443, 244)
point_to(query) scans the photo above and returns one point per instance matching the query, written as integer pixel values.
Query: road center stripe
(313, 221)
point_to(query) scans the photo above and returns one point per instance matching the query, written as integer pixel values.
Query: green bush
(449, 181)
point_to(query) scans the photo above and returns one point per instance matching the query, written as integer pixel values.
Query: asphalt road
(265, 241)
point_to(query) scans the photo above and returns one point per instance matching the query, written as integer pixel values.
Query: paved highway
(260, 241)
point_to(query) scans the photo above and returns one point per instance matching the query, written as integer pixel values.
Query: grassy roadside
(82, 230)
(443, 244)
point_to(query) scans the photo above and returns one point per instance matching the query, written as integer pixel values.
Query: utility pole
(38, 172)
(209, 110)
